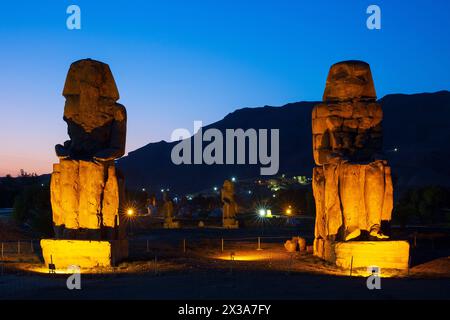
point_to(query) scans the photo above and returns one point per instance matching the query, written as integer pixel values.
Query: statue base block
(383, 254)
(83, 253)
(230, 224)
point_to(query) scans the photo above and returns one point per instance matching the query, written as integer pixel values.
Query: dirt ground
(190, 264)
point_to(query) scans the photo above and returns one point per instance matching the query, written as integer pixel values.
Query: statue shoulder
(120, 113)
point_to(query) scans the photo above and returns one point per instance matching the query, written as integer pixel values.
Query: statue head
(228, 185)
(348, 80)
(91, 93)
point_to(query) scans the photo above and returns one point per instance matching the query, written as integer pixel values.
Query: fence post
(351, 267)
(147, 246)
(2, 250)
(18, 246)
(222, 244)
(31, 246)
(184, 245)
(259, 244)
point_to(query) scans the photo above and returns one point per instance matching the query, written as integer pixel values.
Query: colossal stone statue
(230, 207)
(352, 185)
(86, 186)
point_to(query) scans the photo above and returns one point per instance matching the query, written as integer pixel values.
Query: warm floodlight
(288, 210)
(130, 212)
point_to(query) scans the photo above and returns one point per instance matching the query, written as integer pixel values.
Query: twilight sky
(179, 61)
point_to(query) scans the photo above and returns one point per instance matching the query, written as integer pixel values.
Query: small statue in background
(230, 207)
(168, 211)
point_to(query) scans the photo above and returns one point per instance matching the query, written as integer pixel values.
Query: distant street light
(262, 212)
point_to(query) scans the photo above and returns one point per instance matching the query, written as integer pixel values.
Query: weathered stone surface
(56, 200)
(91, 197)
(85, 188)
(230, 206)
(352, 188)
(90, 73)
(383, 254)
(168, 211)
(344, 124)
(333, 212)
(96, 123)
(111, 199)
(296, 243)
(351, 198)
(290, 246)
(318, 185)
(83, 253)
(301, 244)
(349, 80)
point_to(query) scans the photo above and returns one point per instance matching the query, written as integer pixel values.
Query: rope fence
(32, 246)
(185, 244)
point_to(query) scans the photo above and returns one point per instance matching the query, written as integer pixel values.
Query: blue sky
(179, 61)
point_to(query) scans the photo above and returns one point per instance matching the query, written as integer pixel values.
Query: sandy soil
(159, 268)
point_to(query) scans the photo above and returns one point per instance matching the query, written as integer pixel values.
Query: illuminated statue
(85, 184)
(352, 184)
(230, 207)
(167, 207)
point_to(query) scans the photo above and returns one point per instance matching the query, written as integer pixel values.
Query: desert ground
(189, 264)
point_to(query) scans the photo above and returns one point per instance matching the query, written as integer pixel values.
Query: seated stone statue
(85, 185)
(230, 207)
(352, 184)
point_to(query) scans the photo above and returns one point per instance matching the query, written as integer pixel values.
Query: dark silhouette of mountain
(416, 143)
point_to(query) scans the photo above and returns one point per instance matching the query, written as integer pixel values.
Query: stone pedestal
(83, 253)
(230, 223)
(383, 254)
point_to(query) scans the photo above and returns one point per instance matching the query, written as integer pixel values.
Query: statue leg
(55, 197)
(333, 210)
(70, 185)
(92, 183)
(388, 202)
(319, 198)
(110, 206)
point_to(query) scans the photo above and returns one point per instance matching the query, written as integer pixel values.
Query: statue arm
(62, 150)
